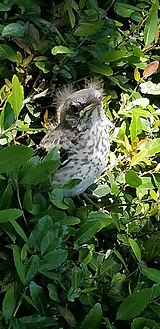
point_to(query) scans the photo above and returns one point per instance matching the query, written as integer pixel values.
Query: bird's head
(80, 108)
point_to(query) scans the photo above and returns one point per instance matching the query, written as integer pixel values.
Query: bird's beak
(89, 108)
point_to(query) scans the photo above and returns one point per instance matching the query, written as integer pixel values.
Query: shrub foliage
(64, 264)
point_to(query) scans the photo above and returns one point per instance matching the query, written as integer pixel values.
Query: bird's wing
(62, 139)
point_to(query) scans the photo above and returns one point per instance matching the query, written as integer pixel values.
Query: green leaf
(153, 146)
(60, 50)
(76, 277)
(32, 268)
(44, 66)
(19, 230)
(139, 157)
(12, 157)
(151, 24)
(11, 214)
(143, 323)
(93, 319)
(101, 68)
(132, 178)
(112, 55)
(9, 303)
(37, 295)
(21, 269)
(134, 304)
(56, 197)
(5, 7)
(51, 240)
(53, 260)
(7, 116)
(53, 294)
(135, 247)
(149, 182)
(87, 231)
(124, 9)
(71, 220)
(46, 235)
(37, 321)
(135, 126)
(40, 172)
(16, 323)
(8, 53)
(17, 96)
(6, 197)
(68, 316)
(15, 30)
(152, 274)
(86, 29)
(102, 190)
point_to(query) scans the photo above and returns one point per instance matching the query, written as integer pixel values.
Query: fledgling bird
(82, 136)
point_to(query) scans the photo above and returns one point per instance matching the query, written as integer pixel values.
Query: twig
(33, 97)
(132, 31)
(109, 6)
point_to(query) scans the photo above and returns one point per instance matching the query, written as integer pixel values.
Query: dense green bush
(64, 264)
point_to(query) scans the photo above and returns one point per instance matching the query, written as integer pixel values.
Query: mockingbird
(82, 137)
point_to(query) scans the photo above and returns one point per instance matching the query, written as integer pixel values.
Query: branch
(32, 98)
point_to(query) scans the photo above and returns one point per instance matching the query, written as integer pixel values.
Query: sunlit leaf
(60, 50)
(151, 24)
(132, 178)
(140, 156)
(17, 96)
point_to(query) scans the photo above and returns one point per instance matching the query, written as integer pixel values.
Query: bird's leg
(87, 198)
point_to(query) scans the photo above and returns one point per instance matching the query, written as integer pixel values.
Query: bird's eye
(75, 109)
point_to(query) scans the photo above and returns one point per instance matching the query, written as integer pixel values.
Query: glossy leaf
(130, 309)
(39, 173)
(14, 29)
(152, 274)
(112, 55)
(135, 126)
(137, 75)
(12, 157)
(11, 214)
(19, 230)
(53, 292)
(140, 156)
(21, 269)
(102, 190)
(86, 29)
(93, 319)
(136, 249)
(8, 52)
(37, 295)
(133, 179)
(17, 96)
(153, 146)
(101, 68)
(86, 231)
(53, 260)
(60, 50)
(125, 9)
(151, 24)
